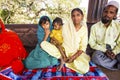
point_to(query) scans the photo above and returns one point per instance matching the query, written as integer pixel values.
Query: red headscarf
(12, 51)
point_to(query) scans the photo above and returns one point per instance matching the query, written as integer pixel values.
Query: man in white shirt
(105, 38)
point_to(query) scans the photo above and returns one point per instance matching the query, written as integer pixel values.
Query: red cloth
(12, 51)
(3, 77)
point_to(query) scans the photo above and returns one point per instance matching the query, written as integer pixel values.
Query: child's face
(46, 25)
(56, 26)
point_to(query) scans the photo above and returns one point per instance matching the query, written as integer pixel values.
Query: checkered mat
(50, 73)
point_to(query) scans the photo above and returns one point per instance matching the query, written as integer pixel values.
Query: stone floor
(112, 75)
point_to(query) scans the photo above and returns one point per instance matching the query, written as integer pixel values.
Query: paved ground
(112, 75)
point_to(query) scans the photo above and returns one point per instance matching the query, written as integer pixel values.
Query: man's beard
(105, 20)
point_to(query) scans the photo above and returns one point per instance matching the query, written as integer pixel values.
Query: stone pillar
(95, 9)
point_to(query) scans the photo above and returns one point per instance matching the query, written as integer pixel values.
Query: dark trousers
(100, 58)
(118, 58)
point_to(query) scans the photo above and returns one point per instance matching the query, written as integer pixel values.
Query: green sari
(38, 58)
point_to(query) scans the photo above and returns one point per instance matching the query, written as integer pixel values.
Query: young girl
(38, 58)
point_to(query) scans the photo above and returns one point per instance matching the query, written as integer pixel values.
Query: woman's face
(77, 17)
(46, 25)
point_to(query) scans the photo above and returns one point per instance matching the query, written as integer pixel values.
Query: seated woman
(38, 58)
(75, 39)
(12, 51)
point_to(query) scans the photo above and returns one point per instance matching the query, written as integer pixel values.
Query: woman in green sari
(38, 58)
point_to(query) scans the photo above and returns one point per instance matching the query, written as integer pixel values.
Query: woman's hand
(73, 57)
(70, 60)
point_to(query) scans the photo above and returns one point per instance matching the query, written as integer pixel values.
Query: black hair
(44, 19)
(77, 9)
(58, 20)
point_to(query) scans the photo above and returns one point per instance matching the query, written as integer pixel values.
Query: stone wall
(26, 32)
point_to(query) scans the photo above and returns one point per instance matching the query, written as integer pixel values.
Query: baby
(57, 39)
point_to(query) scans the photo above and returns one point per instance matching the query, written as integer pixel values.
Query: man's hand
(110, 54)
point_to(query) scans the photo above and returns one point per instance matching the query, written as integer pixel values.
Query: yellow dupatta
(71, 45)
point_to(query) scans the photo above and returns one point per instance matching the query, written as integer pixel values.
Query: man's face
(108, 14)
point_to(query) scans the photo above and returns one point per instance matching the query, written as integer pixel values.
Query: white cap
(113, 3)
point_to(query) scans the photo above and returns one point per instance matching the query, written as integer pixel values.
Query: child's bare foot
(61, 65)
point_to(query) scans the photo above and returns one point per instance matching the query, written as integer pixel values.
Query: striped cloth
(50, 73)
